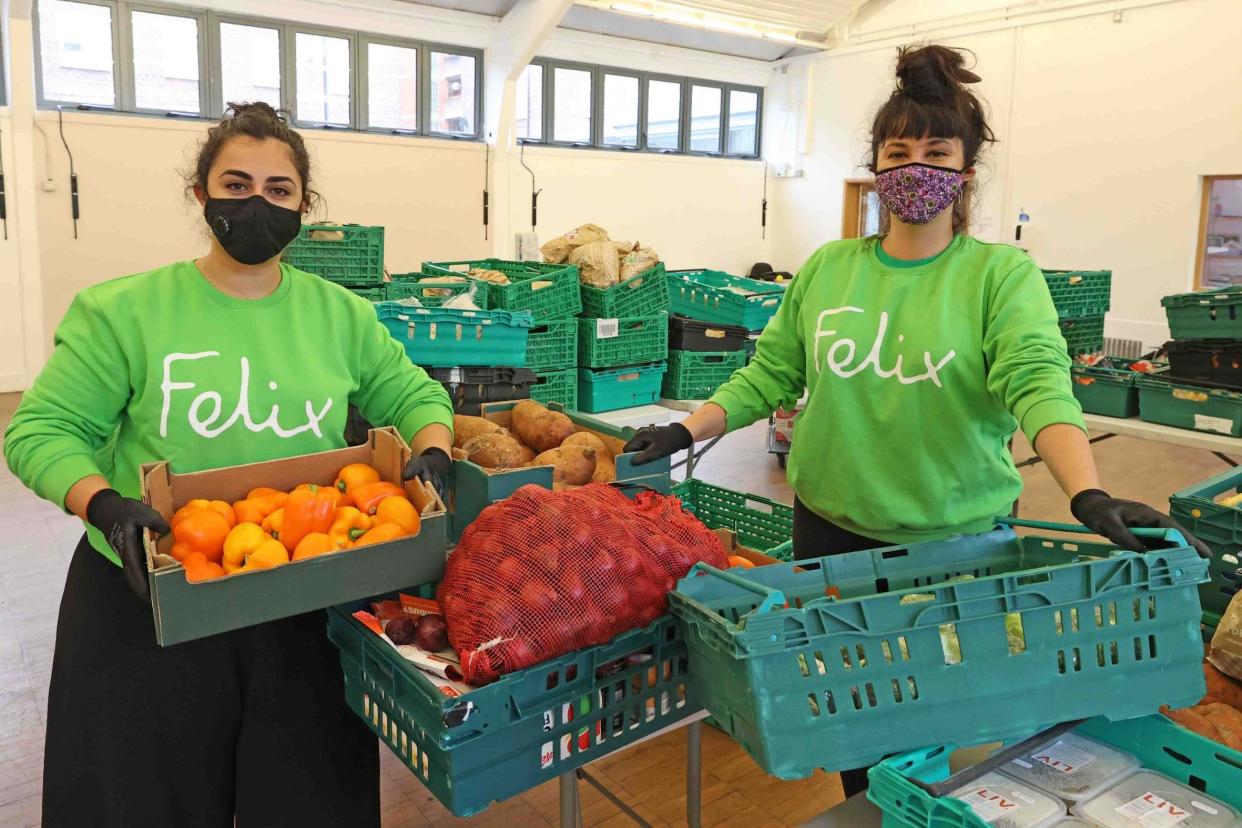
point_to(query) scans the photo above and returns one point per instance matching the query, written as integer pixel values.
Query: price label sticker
(1153, 811)
(1064, 757)
(990, 805)
(607, 328)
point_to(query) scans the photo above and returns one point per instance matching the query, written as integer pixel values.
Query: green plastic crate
(1078, 293)
(802, 679)
(443, 338)
(695, 375)
(1107, 388)
(711, 295)
(547, 291)
(749, 348)
(348, 254)
(759, 523)
(629, 340)
(641, 295)
(371, 294)
(430, 291)
(1220, 527)
(556, 387)
(1083, 335)
(1159, 744)
(1207, 314)
(525, 728)
(552, 345)
(1167, 401)
(613, 388)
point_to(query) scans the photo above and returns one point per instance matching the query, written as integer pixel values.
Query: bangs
(902, 117)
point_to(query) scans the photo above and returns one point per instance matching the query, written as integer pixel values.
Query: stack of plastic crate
(622, 342)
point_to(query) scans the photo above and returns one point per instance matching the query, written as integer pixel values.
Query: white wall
(12, 357)
(1106, 129)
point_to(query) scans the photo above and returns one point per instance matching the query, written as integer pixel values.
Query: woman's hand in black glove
(657, 442)
(1114, 518)
(121, 520)
(432, 466)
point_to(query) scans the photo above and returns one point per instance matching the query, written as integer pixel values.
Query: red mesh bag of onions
(544, 573)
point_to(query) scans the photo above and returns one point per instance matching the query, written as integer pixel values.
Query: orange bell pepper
(380, 533)
(241, 543)
(348, 524)
(259, 503)
(202, 504)
(401, 511)
(273, 523)
(270, 553)
(316, 543)
(367, 497)
(340, 498)
(199, 569)
(202, 531)
(309, 509)
(355, 475)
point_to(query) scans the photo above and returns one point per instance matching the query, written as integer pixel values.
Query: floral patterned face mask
(916, 193)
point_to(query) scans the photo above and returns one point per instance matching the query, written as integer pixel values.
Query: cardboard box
(732, 547)
(185, 611)
(475, 488)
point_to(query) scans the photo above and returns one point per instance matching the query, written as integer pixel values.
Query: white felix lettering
(841, 353)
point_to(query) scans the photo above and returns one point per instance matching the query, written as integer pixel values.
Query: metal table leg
(694, 773)
(570, 809)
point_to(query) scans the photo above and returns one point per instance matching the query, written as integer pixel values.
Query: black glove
(122, 519)
(658, 442)
(432, 466)
(1112, 518)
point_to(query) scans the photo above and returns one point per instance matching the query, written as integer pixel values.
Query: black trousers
(249, 726)
(815, 537)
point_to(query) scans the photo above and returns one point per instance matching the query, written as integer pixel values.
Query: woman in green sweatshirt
(226, 359)
(921, 352)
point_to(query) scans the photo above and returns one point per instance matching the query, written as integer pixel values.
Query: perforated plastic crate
(714, 296)
(837, 662)
(629, 340)
(1209, 360)
(1169, 401)
(695, 375)
(1083, 335)
(556, 386)
(444, 338)
(348, 254)
(759, 523)
(546, 291)
(640, 295)
(471, 387)
(1078, 293)
(552, 345)
(371, 294)
(1220, 527)
(1107, 388)
(1206, 314)
(612, 388)
(431, 291)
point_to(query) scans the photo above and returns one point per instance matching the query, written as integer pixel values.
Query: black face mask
(251, 230)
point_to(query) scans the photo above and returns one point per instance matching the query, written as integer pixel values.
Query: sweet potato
(539, 428)
(605, 468)
(466, 428)
(528, 454)
(572, 466)
(588, 440)
(1221, 687)
(1193, 721)
(495, 451)
(1226, 720)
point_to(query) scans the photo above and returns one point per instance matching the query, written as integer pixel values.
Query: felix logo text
(841, 353)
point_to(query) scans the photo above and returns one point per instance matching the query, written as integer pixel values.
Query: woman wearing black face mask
(226, 359)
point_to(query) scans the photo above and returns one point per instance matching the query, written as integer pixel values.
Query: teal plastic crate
(695, 375)
(1083, 335)
(614, 388)
(1107, 388)
(1159, 744)
(1220, 527)
(759, 523)
(442, 338)
(1167, 401)
(714, 296)
(348, 254)
(556, 387)
(1078, 293)
(371, 294)
(525, 728)
(1206, 314)
(546, 291)
(430, 291)
(641, 295)
(629, 340)
(552, 345)
(837, 662)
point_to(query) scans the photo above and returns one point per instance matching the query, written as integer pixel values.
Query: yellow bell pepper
(348, 524)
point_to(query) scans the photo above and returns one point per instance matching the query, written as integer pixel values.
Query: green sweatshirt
(916, 378)
(162, 366)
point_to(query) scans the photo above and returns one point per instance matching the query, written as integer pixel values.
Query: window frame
(424, 92)
(722, 119)
(118, 64)
(214, 21)
(728, 120)
(550, 111)
(682, 85)
(364, 86)
(597, 117)
(199, 16)
(545, 92)
(292, 30)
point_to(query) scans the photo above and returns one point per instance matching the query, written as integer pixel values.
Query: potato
(528, 454)
(605, 469)
(539, 428)
(587, 440)
(495, 451)
(572, 466)
(1191, 719)
(1226, 720)
(466, 428)
(1221, 688)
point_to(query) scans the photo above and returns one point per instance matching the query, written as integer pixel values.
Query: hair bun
(254, 109)
(932, 73)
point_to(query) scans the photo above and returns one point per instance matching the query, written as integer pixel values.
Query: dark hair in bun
(255, 120)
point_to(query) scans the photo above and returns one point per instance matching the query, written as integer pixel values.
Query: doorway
(1218, 258)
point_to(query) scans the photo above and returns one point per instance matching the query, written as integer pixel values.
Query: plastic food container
(1074, 822)
(1151, 800)
(1073, 767)
(1004, 802)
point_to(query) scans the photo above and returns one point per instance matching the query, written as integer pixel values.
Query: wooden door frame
(850, 205)
(1205, 203)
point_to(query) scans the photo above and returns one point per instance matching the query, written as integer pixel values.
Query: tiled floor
(649, 776)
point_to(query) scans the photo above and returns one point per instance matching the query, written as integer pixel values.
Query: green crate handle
(1213, 486)
(772, 598)
(1170, 535)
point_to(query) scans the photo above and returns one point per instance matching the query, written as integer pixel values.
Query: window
(76, 54)
(571, 105)
(705, 109)
(166, 62)
(322, 63)
(249, 65)
(620, 111)
(453, 94)
(1219, 262)
(663, 115)
(743, 123)
(392, 87)
(529, 104)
